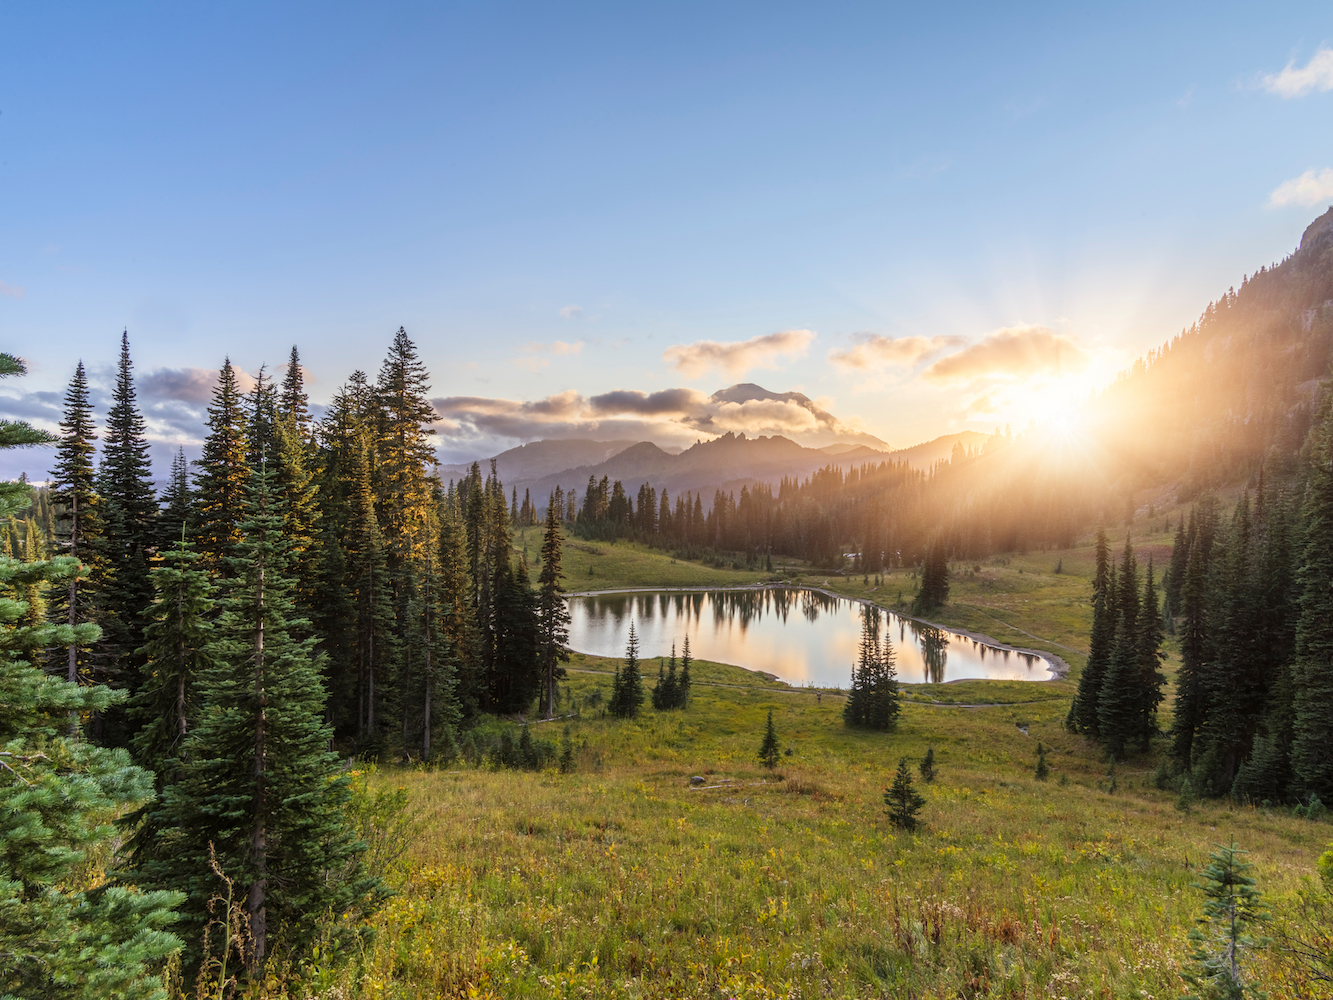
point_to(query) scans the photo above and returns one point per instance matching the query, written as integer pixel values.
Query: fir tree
(903, 800)
(79, 523)
(1232, 908)
(59, 941)
(293, 403)
(927, 766)
(1043, 770)
(683, 685)
(627, 691)
(222, 483)
(934, 590)
(769, 751)
(173, 520)
(567, 754)
(552, 613)
(1119, 701)
(1191, 697)
(666, 692)
(259, 787)
(125, 485)
(1083, 711)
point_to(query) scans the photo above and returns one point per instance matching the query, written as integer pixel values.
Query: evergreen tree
(903, 800)
(374, 614)
(552, 613)
(293, 403)
(125, 485)
(458, 615)
(179, 647)
(1083, 711)
(666, 692)
(224, 473)
(259, 788)
(1043, 769)
(173, 520)
(1149, 679)
(873, 699)
(683, 685)
(1191, 697)
(627, 691)
(934, 590)
(65, 931)
(1232, 908)
(927, 766)
(769, 751)
(79, 523)
(1312, 671)
(1119, 701)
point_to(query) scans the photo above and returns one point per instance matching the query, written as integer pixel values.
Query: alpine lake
(801, 636)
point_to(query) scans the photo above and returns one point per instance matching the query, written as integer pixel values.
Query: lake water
(802, 636)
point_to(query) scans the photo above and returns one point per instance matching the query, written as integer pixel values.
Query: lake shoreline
(1057, 667)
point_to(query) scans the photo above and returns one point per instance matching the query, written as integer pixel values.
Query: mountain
(727, 462)
(829, 430)
(921, 456)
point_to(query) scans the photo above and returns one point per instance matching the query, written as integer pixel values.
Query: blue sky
(925, 219)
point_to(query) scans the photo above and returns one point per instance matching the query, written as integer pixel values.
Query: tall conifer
(552, 612)
(224, 474)
(79, 522)
(1083, 712)
(125, 484)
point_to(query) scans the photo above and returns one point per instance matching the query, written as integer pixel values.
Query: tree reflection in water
(757, 628)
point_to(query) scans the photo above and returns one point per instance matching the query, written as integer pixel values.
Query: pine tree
(222, 483)
(927, 766)
(1083, 711)
(683, 685)
(1312, 671)
(552, 613)
(125, 484)
(903, 801)
(178, 648)
(1119, 702)
(666, 692)
(1232, 908)
(627, 692)
(66, 932)
(1043, 769)
(1190, 704)
(173, 520)
(79, 523)
(934, 590)
(259, 787)
(374, 613)
(769, 751)
(293, 403)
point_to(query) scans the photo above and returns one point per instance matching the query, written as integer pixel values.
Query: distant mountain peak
(829, 431)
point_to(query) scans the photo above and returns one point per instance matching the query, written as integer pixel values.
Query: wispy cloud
(13, 291)
(737, 356)
(1310, 188)
(1011, 352)
(1297, 81)
(536, 356)
(870, 350)
(571, 312)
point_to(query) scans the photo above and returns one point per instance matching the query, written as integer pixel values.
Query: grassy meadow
(624, 880)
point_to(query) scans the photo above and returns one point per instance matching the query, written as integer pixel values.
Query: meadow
(623, 879)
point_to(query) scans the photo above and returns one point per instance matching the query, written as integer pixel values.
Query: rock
(697, 779)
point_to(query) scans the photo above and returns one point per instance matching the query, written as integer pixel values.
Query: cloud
(471, 426)
(735, 357)
(534, 354)
(1295, 81)
(1310, 188)
(13, 291)
(870, 350)
(1011, 352)
(667, 402)
(571, 312)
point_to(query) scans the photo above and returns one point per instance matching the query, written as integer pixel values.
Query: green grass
(597, 565)
(620, 880)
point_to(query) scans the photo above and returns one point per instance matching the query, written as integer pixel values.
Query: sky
(589, 218)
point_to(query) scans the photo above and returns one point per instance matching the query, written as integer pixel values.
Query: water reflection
(758, 629)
